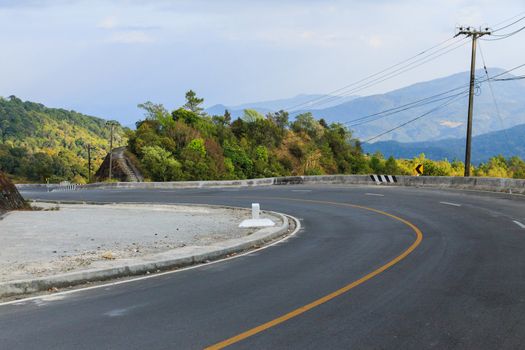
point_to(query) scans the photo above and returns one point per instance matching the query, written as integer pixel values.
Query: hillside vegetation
(508, 142)
(187, 144)
(39, 143)
(446, 122)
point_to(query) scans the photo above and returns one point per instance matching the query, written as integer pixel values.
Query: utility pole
(89, 162)
(111, 124)
(474, 34)
(89, 149)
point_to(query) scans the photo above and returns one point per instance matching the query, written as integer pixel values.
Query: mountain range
(447, 122)
(508, 142)
(265, 107)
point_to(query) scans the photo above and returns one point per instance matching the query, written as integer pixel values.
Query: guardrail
(516, 186)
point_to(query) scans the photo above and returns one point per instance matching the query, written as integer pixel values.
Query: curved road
(462, 286)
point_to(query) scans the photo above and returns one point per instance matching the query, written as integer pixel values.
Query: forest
(187, 144)
(39, 144)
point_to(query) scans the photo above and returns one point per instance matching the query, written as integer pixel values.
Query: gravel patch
(74, 237)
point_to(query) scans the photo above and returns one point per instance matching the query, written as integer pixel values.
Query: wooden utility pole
(89, 149)
(111, 124)
(474, 34)
(89, 162)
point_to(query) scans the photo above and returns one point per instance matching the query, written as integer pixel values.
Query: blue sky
(104, 57)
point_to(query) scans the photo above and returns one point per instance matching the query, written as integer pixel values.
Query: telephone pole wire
(475, 34)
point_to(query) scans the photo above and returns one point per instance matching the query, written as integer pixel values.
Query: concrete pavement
(70, 244)
(462, 287)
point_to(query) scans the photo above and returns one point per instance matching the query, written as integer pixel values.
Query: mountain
(39, 143)
(265, 107)
(448, 122)
(508, 142)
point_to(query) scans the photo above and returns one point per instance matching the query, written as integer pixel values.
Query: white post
(256, 209)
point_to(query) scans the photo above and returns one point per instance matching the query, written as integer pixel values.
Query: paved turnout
(461, 287)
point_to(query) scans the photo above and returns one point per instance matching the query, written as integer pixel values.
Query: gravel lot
(50, 241)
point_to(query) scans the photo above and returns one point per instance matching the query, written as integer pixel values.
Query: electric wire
(503, 36)
(452, 99)
(443, 105)
(329, 97)
(427, 51)
(394, 73)
(508, 25)
(496, 105)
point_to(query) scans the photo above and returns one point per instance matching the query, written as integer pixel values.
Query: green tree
(161, 164)
(197, 146)
(193, 103)
(251, 116)
(391, 167)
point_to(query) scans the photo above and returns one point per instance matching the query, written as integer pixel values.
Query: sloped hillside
(448, 122)
(508, 142)
(39, 143)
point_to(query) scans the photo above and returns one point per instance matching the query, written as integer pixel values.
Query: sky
(104, 57)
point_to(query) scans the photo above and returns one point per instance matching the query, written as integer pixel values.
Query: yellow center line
(335, 294)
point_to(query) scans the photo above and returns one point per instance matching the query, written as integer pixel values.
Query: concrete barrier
(515, 186)
(180, 184)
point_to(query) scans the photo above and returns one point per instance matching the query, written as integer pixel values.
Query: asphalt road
(462, 286)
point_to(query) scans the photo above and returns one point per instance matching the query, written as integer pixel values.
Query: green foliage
(251, 116)
(197, 146)
(160, 164)
(193, 103)
(39, 143)
(306, 123)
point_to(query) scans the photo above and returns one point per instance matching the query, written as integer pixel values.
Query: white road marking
(449, 203)
(375, 194)
(519, 224)
(301, 190)
(60, 295)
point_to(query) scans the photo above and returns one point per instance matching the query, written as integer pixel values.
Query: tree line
(38, 144)
(187, 144)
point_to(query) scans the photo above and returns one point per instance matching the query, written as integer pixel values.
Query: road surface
(372, 268)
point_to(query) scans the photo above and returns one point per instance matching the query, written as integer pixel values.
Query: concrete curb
(173, 259)
(515, 186)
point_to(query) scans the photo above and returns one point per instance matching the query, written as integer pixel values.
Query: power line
(394, 73)
(381, 115)
(520, 77)
(419, 103)
(504, 36)
(451, 99)
(508, 25)
(507, 71)
(372, 75)
(329, 98)
(496, 105)
(509, 19)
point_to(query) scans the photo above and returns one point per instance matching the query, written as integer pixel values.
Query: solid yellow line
(326, 298)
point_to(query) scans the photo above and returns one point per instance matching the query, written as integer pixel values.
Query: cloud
(130, 37)
(450, 124)
(109, 22)
(374, 41)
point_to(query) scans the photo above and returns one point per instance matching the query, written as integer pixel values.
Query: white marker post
(256, 220)
(256, 209)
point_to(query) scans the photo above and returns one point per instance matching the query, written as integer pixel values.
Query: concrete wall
(472, 183)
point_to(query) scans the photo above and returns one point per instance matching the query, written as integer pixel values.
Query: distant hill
(265, 107)
(39, 143)
(448, 122)
(509, 142)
